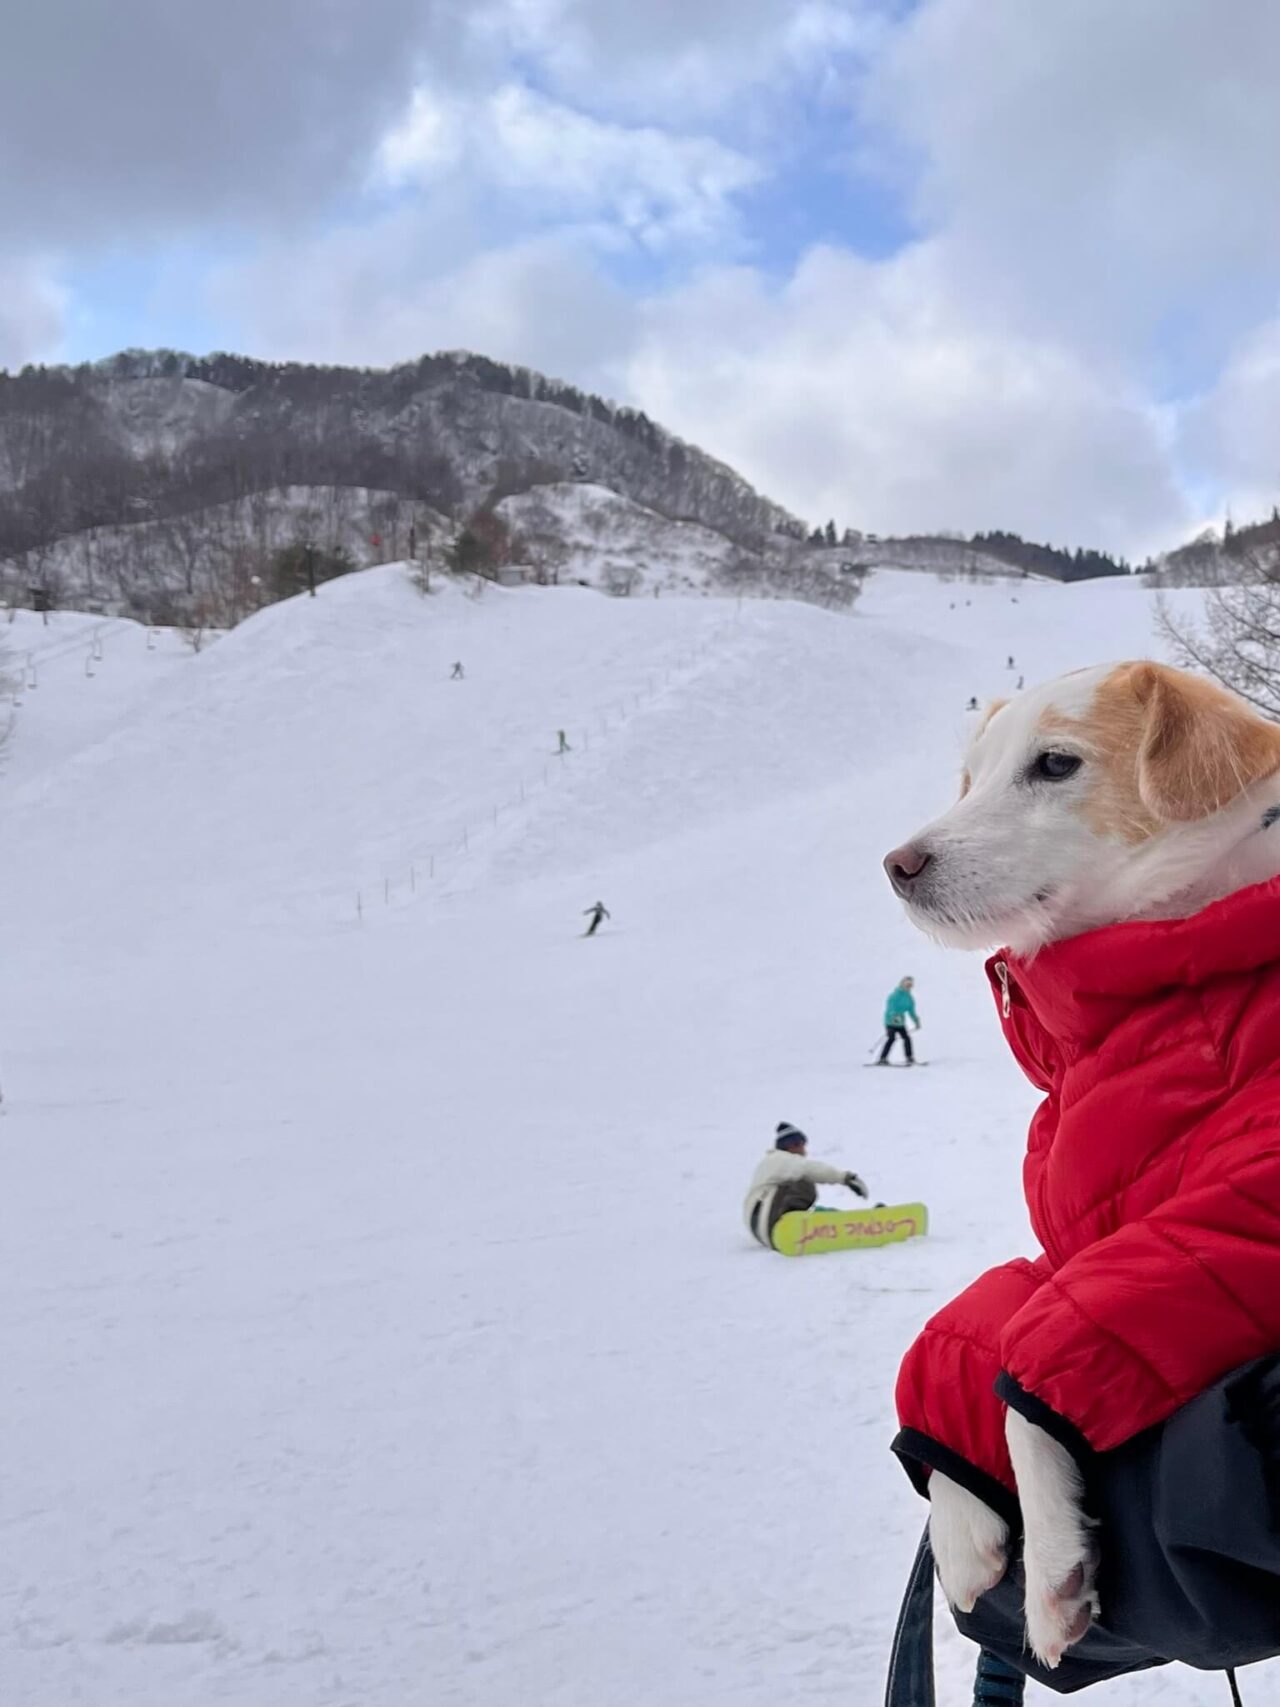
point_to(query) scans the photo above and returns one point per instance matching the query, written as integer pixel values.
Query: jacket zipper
(1002, 973)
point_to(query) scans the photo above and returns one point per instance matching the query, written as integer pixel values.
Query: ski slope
(380, 1330)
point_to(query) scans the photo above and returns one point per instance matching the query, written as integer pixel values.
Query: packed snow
(380, 1329)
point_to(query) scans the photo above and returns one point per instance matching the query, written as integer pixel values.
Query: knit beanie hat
(788, 1137)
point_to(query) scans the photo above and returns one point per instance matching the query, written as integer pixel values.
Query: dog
(1126, 792)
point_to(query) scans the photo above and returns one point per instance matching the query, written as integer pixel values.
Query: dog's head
(1108, 794)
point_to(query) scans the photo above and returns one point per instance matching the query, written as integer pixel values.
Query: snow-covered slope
(585, 533)
(57, 683)
(575, 532)
(379, 1327)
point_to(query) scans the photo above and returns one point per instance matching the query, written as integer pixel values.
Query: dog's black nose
(904, 866)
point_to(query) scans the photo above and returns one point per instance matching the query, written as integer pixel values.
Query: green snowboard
(801, 1234)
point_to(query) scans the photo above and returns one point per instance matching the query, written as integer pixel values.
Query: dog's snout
(905, 866)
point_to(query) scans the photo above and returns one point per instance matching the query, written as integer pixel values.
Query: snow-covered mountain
(154, 483)
(379, 1323)
(152, 433)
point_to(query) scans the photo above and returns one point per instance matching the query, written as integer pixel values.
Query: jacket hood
(1073, 992)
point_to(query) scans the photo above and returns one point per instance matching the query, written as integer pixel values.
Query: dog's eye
(1055, 767)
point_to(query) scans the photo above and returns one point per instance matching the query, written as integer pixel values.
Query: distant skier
(1022, 682)
(1011, 664)
(786, 1179)
(564, 746)
(973, 703)
(900, 1007)
(457, 674)
(597, 915)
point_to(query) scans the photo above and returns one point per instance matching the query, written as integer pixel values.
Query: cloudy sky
(909, 263)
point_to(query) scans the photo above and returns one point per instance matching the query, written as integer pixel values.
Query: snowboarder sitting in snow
(900, 1008)
(786, 1179)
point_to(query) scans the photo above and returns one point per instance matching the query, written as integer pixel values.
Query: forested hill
(153, 433)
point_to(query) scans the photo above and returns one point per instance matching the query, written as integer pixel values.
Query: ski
(801, 1234)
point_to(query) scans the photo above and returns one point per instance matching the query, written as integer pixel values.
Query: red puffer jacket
(1153, 1179)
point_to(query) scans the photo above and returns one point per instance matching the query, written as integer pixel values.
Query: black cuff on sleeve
(1036, 1411)
(918, 1453)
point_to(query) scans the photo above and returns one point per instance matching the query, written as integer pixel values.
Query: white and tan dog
(1131, 791)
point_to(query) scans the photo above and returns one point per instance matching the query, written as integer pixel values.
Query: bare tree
(187, 537)
(1237, 642)
(620, 579)
(422, 557)
(197, 624)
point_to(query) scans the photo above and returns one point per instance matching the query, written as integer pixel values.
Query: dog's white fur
(1164, 815)
(1059, 1558)
(971, 1543)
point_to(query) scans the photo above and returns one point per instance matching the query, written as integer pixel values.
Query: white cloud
(655, 186)
(1231, 437)
(33, 312)
(426, 141)
(385, 294)
(865, 392)
(682, 61)
(1102, 171)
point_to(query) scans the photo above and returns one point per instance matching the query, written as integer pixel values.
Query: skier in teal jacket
(900, 1007)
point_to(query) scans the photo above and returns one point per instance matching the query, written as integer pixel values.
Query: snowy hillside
(586, 533)
(155, 434)
(577, 532)
(380, 1326)
(210, 557)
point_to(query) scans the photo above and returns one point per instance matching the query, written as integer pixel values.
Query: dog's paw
(970, 1543)
(1060, 1557)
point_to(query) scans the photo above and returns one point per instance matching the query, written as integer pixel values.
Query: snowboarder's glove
(855, 1184)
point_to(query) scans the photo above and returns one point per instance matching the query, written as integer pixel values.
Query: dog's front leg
(1059, 1554)
(970, 1543)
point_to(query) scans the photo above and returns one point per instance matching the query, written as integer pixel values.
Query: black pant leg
(799, 1194)
(893, 1033)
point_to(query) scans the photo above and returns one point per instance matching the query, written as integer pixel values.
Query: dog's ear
(1200, 746)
